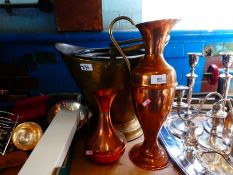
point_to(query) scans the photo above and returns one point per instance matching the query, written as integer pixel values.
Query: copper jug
(106, 144)
(153, 83)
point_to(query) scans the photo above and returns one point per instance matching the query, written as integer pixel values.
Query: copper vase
(106, 144)
(153, 84)
(153, 88)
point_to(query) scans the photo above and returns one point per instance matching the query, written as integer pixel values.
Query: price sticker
(89, 152)
(146, 102)
(86, 67)
(158, 79)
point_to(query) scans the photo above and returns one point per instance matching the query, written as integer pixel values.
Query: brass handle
(115, 42)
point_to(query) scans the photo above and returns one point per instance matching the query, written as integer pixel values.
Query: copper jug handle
(115, 42)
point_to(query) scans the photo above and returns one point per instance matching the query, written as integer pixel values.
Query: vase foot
(147, 159)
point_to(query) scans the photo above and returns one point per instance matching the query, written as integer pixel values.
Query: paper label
(89, 152)
(86, 67)
(146, 102)
(158, 79)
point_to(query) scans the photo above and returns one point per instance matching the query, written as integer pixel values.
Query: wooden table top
(82, 166)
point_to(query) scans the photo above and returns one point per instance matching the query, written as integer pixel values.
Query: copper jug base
(132, 129)
(107, 157)
(145, 159)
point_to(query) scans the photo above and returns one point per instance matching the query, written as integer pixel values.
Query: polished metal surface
(105, 145)
(180, 91)
(178, 132)
(175, 148)
(201, 161)
(215, 163)
(193, 60)
(96, 68)
(191, 77)
(153, 83)
(209, 152)
(227, 60)
(71, 105)
(180, 128)
(26, 135)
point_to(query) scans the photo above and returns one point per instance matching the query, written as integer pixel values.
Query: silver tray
(198, 164)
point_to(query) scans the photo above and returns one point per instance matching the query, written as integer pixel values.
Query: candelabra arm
(204, 100)
(201, 106)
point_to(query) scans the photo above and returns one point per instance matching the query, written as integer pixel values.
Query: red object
(31, 108)
(205, 86)
(104, 98)
(213, 69)
(106, 144)
(103, 158)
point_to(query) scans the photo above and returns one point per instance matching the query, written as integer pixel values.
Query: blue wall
(54, 76)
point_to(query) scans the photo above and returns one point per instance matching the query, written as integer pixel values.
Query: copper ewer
(105, 145)
(102, 68)
(153, 84)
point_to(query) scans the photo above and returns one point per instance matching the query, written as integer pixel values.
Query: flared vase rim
(175, 20)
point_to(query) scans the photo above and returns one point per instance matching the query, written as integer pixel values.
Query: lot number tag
(86, 67)
(158, 79)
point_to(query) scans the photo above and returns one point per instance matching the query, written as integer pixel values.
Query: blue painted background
(54, 77)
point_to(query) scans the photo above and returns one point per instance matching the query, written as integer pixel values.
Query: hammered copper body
(106, 144)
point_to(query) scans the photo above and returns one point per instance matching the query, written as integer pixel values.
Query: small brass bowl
(26, 135)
